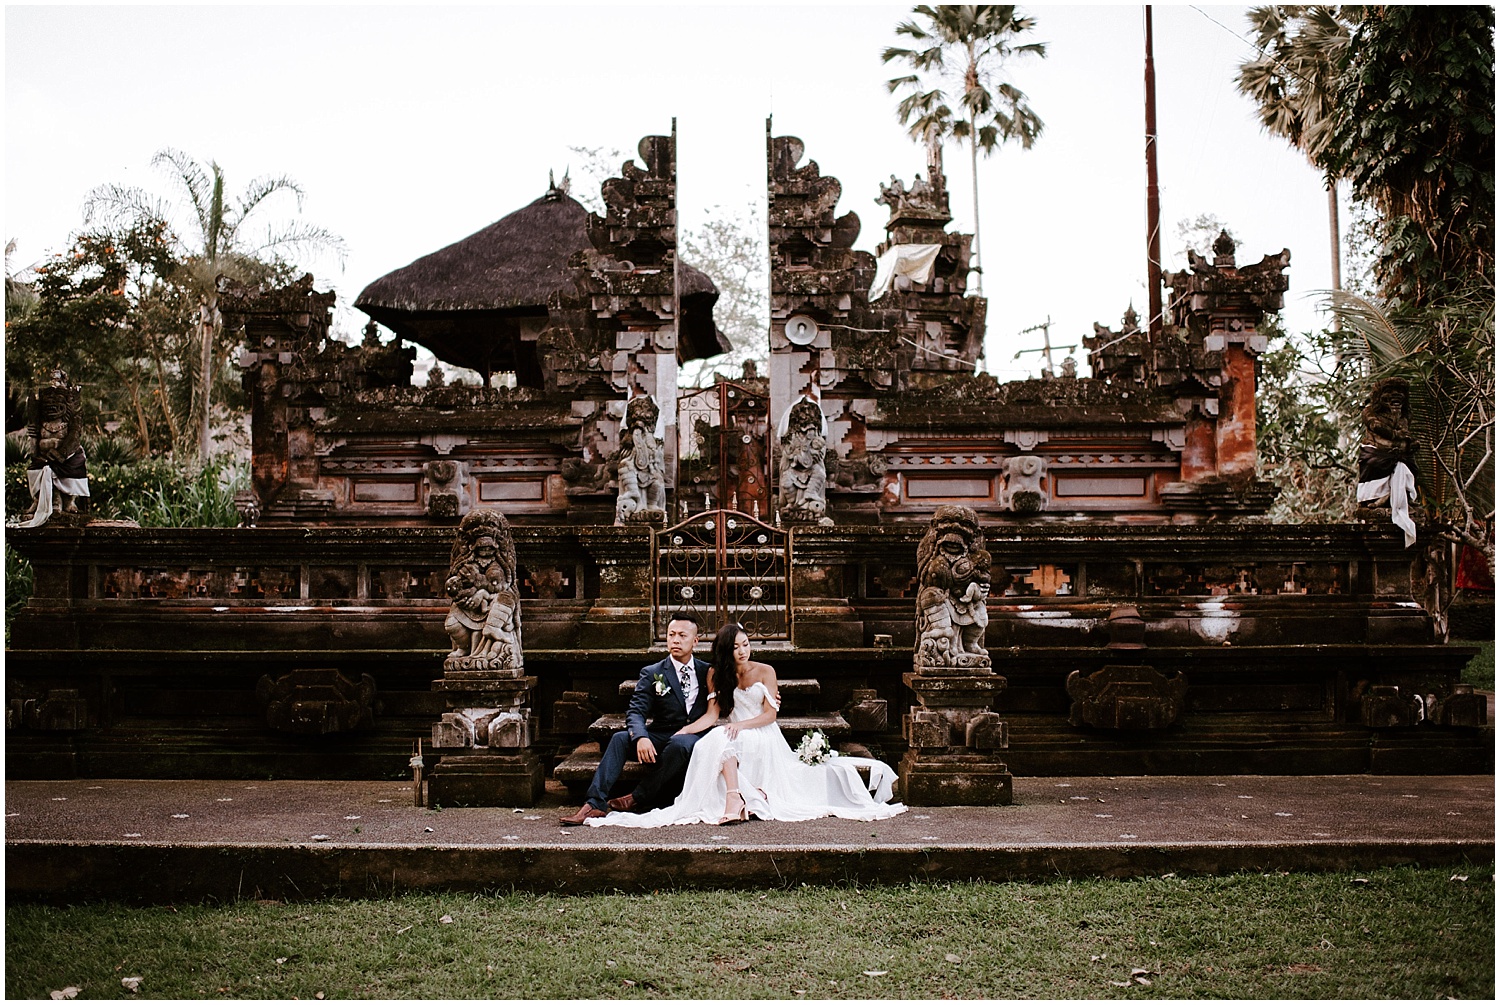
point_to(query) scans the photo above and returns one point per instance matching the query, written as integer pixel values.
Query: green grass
(1481, 669)
(1401, 933)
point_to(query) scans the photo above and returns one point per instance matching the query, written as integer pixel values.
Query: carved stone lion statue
(953, 569)
(804, 466)
(640, 466)
(484, 621)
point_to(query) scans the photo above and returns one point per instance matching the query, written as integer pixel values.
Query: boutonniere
(662, 687)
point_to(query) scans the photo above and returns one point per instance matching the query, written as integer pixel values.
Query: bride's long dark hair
(725, 678)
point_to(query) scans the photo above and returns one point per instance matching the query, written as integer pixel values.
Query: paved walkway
(174, 840)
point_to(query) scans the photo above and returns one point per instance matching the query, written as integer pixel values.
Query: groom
(671, 694)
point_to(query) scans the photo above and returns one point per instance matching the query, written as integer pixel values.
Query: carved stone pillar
(953, 731)
(483, 740)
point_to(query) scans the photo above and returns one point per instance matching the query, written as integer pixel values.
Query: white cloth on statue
(1399, 489)
(775, 783)
(42, 482)
(914, 261)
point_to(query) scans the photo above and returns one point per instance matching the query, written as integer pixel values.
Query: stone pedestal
(953, 735)
(482, 743)
(486, 778)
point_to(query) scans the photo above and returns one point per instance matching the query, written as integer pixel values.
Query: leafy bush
(156, 492)
(19, 582)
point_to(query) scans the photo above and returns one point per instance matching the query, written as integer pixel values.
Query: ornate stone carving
(447, 497)
(317, 701)
(485, 619)
(1386, 465)
(58, 474)
(804, 466)
(1125, 697)
(1025, 490)
(640, 466)
(953, 568)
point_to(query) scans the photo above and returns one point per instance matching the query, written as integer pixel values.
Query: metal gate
(724, 565)
(724, 445)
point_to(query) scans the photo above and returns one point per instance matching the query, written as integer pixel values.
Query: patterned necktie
(686, 676)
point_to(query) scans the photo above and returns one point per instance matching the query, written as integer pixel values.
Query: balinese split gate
(963, 577)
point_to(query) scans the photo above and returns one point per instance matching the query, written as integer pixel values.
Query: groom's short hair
(689, 617)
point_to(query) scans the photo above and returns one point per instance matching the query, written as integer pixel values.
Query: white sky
(411, 128)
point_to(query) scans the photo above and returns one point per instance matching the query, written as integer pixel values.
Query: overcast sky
(411, 128)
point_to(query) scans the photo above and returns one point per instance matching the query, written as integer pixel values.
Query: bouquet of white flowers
(814, 748)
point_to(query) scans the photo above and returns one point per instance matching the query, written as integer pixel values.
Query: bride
(746, 769)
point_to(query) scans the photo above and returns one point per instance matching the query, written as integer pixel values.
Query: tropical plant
(1295, 82)
(114, 313)
(1446, 351)
(957, 88)
(1307, 402)
(1415, 136)
(222, 244)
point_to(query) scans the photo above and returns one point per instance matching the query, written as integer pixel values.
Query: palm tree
(965, 49)
(223, 245)
(1295, 84)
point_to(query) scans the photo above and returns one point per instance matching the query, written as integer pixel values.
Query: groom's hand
(645, 750)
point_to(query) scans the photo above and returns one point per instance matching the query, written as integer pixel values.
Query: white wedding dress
(776, 784)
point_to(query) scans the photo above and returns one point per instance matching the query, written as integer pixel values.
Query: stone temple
(964, 577)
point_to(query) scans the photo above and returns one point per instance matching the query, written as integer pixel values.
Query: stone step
(833, 725)
(576, 771)
(791, 688)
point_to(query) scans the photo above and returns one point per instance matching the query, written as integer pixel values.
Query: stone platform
(166, 841)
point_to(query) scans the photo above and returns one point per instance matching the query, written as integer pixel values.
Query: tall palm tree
(965, 49)
(1295, 81)
(222, 246)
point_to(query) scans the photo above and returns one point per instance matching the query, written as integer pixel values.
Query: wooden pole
(1153, 197)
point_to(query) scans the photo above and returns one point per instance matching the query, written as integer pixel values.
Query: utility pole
(1153, 197)
(1046, 350)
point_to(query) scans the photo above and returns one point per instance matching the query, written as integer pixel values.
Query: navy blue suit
(657, 717)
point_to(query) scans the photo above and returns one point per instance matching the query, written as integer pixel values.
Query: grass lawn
(1394, 933)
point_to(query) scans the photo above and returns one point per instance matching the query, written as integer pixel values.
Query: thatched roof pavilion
(480, 303)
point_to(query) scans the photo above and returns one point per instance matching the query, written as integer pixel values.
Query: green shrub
(156, 492)
(19, 582)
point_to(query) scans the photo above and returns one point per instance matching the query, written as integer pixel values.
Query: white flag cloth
(1400, 489)
(41, 481)
(913, 261)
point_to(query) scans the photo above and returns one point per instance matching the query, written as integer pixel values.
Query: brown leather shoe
(585, 812)
(623, 804)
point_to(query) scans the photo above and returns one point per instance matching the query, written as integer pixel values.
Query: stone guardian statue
(640, 466)
(953, 569)
(58, 473)
(1386, 465)
(804, 466)
(484, 621)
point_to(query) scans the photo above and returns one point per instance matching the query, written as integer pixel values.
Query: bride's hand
(731, 729)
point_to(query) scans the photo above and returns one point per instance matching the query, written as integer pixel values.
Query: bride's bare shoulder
(765, 672)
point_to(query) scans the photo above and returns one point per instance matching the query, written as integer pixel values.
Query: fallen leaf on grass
(446, 919)
(1360, 880)
(64, 994)
(406, 929)
(953, 958)
(1119, 984)
(1305, 968)
(1458, 879)
(132, 984)
(1143, 980)
(628, 982)
(876, 973)
(319, 996)
(280, 959)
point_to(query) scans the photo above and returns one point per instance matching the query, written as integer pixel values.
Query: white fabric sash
(42, 481)
(1399, 488)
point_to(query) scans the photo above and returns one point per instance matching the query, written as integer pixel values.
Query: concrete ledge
(173, 841)
(158, 874)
